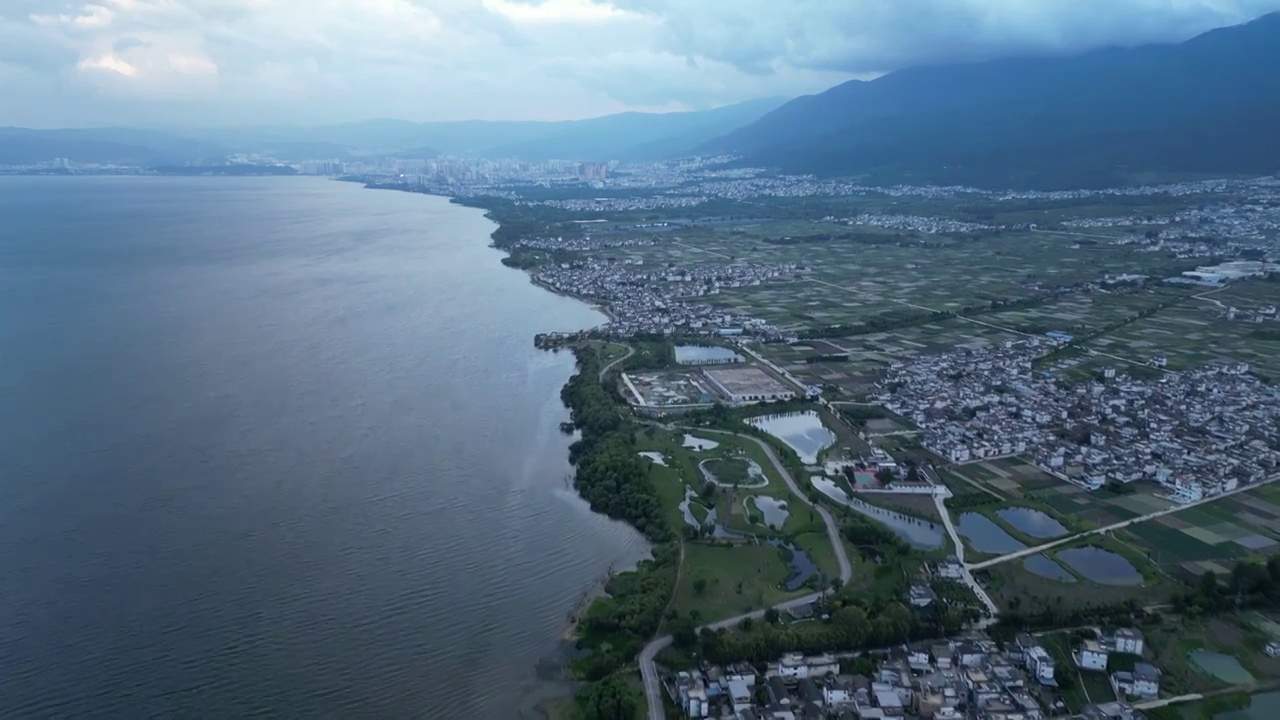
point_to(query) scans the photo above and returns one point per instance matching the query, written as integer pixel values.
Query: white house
(1127, 641)
(1143, 682)
(739, 695)
(1039, 664)
(1091, 656)
(834, 696)
(796, 666)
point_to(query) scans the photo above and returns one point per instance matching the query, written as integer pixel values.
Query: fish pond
(1101, 566)
(1046, 567)
(1222, 666)
(985, 536)
(1033, 523)
(705, 355)
(803, 432)
(919, 534)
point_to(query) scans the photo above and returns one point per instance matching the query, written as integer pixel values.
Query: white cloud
(240, 61)
(107, 63)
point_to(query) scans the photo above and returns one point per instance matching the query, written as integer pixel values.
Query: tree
(885, 476)
(746, 624)
(699, 586)
(683, 634)
(609, 699)
(772, 616)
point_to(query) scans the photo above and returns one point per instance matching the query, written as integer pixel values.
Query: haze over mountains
(624, 136)
(1209, 105)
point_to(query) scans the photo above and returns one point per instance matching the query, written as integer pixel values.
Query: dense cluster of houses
(1196, 433)
(969, 678)
(665, 301)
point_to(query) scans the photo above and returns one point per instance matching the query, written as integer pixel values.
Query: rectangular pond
(1032, 522)
(1101, 566)
(985, 536)
(1045, 567)
(705, 355)
(803, 432)
(1222, 666)
(919, 534)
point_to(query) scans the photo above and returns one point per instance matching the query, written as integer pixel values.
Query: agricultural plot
(1196, 333)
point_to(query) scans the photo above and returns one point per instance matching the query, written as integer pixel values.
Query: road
(978, 590)
(649, 671)
(1117, 526)
(605, 370)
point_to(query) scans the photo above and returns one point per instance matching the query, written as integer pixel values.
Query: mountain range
(1207, 105)
(622, 136)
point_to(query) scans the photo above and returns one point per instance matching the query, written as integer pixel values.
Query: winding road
(649, 671)
(605, 370)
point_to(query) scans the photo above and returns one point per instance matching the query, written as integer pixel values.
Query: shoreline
(557, 686)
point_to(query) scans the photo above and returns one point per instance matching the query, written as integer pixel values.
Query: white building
(1039, 664)
(1091, 656)
(1143, 682)
(797, 666)
(1127, 641)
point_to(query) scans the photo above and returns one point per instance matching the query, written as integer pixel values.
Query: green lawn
(738, 579)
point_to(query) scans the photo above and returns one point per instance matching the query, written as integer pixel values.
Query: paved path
(649, 671)
(1117, 526)
(978, 590)
(605, 370)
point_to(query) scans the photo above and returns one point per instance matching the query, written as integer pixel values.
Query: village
(1195, 434)
(972, 677)
(663, 301)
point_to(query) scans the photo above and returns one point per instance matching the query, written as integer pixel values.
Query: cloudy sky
(66, 63)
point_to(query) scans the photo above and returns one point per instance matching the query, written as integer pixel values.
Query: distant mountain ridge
(1204, 105)
(622, 136)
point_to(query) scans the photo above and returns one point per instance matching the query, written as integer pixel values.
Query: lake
(1101, 566)
(705, 355)
(985, 536)
(278, 447)
(803, 432)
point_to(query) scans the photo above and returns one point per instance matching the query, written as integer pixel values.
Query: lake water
(278, 447)
(654, 457)
(1048, 568)
(1263, 706)
(985, 536)
(1224, 667)
(705, 355)
(775, 511)
(802, 432)
(1101, 566)
(1031, 522)
(698, 444)
(799, 563)
(917, 533)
